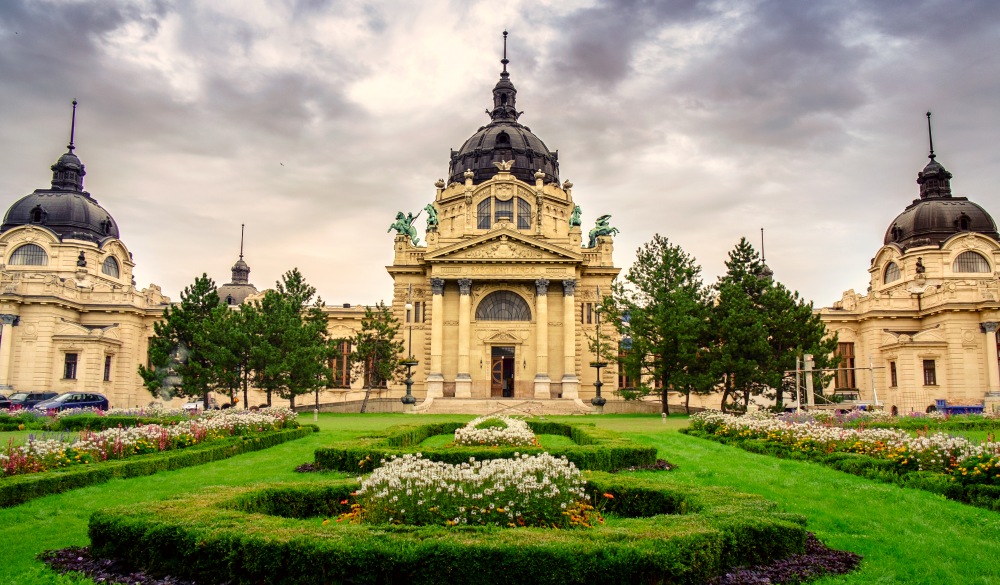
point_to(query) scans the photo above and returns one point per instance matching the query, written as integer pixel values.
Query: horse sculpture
(404, 226)
(602, 227)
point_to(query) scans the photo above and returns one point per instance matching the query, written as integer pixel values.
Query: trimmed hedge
(275, 534)
(981, 496)
(960, 422)
(18, 489)
(78, 422)
(595, 448)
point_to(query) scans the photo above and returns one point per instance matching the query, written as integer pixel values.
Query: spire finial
(72, 128)
(504, 60)
(930, 137)
(762, 260)
(242, 229)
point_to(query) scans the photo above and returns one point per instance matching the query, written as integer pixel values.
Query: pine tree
(376, 348)
(183, 357)
(662, 308)
(759, 328)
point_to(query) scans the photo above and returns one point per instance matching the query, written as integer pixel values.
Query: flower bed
(530, 490)
(594, 448)
(953, 466)
(496, 430)
(282, 533)
(39, 455)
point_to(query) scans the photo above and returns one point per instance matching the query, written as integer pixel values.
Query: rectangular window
(69, 367)
(340, 366)
(587, 313)
(930, 373)
(523, 214)
(892, 375)
(845, 371)
(107, 368)
(624, 380)
(417, 312)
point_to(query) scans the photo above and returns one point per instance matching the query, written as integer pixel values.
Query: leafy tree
(662, 307)
(376, 349)
(184, 356)
(759, 328)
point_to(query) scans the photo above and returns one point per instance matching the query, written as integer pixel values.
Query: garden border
(685, 534)
(882, 470)
(18, 489)
(596, 449)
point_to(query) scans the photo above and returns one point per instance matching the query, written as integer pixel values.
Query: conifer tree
(376, 347)
(183, 354)
(661, 306)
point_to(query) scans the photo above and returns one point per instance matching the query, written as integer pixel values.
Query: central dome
(504, 139)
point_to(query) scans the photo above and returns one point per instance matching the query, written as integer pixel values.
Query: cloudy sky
(314, 121)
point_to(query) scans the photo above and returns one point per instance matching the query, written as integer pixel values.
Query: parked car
(4, 402)
(74, 400)
(30, 399)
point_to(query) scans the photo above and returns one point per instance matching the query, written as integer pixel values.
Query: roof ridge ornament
(504, 61)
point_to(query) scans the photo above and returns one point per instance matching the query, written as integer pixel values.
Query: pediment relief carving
(498, 337)
(503, 244)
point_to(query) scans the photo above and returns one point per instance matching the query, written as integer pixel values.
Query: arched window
(503, 305)
(483, 214)
(29, 255)
(523, 214)
(502, 138)
(110, 267)
(970, 262)
(891, 273)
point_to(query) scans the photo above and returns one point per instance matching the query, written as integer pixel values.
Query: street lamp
(598, 400)
(409, 362)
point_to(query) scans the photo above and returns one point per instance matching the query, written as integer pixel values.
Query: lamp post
(409, 399)
(598, 400)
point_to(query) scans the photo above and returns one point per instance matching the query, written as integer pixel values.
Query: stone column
(570, 382)
(542, 388)
(435, 379)
(992, 368)
(6, 349)
(463, 381)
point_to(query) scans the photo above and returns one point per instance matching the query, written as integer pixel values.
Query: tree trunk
(291, 401)
(269, 399)
(664, 402)
(204, 400)
(246, 382)
(687, 402)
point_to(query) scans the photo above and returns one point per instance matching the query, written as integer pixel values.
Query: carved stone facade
(470, 340)
(927, 325)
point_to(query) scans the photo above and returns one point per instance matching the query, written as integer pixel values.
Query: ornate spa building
(927, 326)
(503, 293)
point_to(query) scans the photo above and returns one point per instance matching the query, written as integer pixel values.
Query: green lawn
(907, 536)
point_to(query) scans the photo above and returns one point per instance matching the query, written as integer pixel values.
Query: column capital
(465, 286)
(437, 286)
(988, 327)
(7, 319)
(569, 287)
(542, 286)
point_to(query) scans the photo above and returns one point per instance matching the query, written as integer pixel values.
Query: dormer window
(38, 214)
(503, 138)
(891, 274)
(492, 210)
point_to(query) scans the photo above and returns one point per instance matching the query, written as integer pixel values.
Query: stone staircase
(525, 407)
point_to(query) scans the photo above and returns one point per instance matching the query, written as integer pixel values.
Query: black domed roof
(504, 139)
(937, 215)
(65, 208)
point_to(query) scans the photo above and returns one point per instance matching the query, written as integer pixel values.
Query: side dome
(65, 208)
(938, 215)
(504, 139)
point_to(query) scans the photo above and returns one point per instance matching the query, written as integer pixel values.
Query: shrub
(597, 449)
(235, 535)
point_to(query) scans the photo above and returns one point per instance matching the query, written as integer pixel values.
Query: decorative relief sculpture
(504, 165)
(602, 227)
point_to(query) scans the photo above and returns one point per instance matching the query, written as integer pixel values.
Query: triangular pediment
(503, 245)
